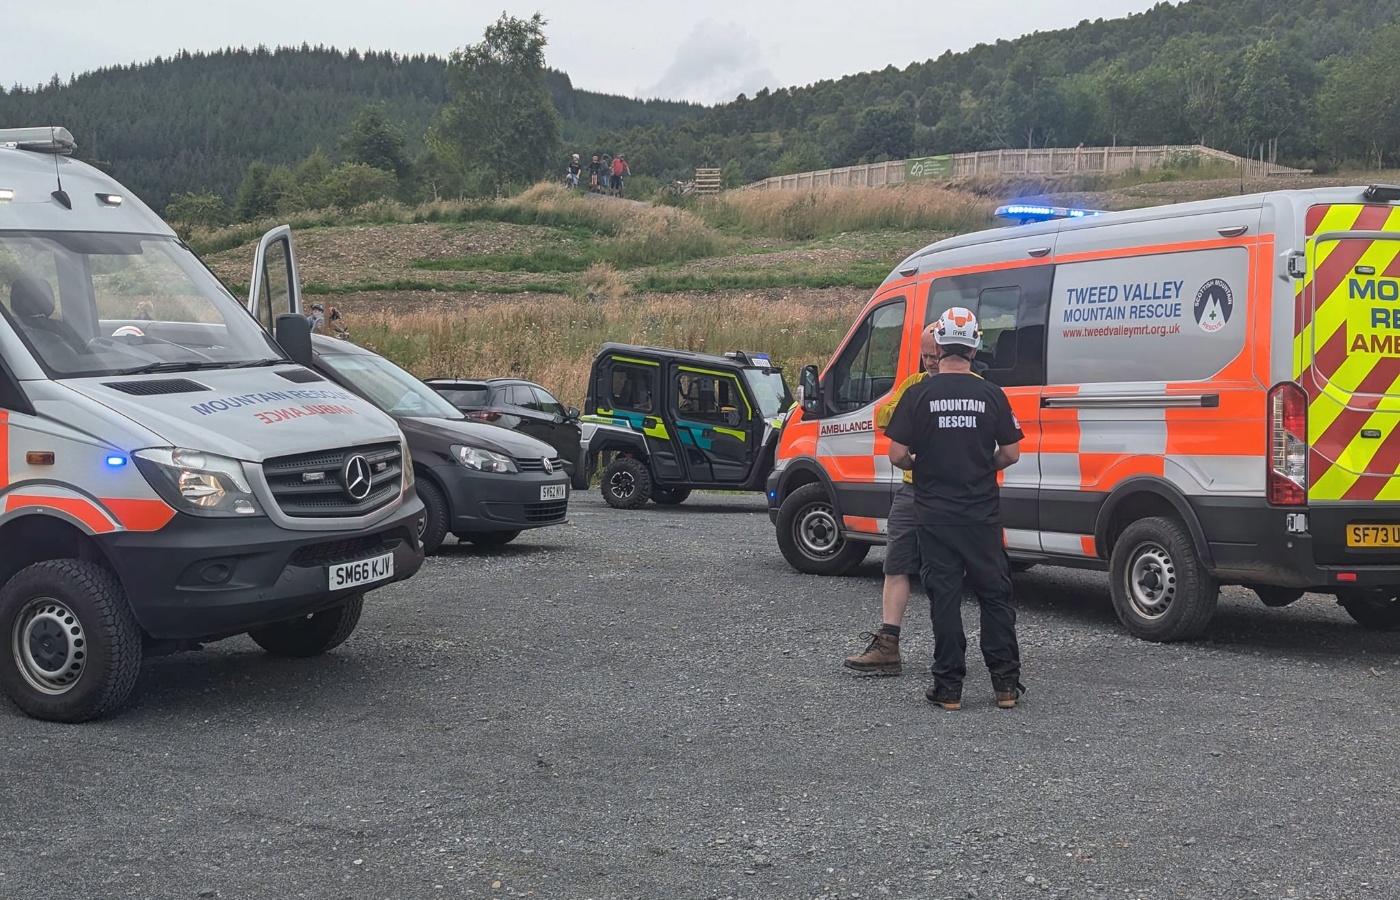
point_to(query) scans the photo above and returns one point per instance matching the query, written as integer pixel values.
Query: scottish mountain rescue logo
(1214, 304)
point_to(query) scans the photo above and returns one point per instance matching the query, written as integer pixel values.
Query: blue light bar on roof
(1025, 213)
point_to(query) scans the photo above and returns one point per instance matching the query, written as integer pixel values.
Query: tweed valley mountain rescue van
(1210, 394)
(169, 475)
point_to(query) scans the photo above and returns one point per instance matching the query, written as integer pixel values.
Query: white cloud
(716, 62)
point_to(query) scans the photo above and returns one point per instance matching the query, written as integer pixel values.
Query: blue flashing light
(1025, 213)
(116, 462)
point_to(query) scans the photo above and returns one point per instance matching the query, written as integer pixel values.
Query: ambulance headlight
(200, 484)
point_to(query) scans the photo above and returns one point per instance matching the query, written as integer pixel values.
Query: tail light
(485, 415)
(1288, 445)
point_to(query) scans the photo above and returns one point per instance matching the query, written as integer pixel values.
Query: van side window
(866, 368)
(630, 387)
(1011, 306)
(702, 397)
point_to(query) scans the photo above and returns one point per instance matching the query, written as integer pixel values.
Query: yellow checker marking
(1331, 313)
(1353, 461)
(1340, 217)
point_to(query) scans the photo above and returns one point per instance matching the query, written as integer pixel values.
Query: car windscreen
(389, 387)
(769, 390)
(96, 304)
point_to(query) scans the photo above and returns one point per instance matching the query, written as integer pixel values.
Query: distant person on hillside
(595, 170)
(575, 167)
(605, 178)
(619, 170)
(317, 318)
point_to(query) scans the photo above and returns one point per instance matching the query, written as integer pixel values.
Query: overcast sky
(702, 51)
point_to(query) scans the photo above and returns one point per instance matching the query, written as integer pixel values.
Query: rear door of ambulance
(1347, 356)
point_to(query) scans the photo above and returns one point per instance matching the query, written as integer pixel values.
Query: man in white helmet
(955, 432)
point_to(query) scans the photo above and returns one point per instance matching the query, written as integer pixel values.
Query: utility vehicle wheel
(72, 646)
(1378, 610)
(432, 527)
(1275, 596)
(311, 635)
(626, 483)
(1160, 590)
(669, 496)
(488, 538)
(809, 537)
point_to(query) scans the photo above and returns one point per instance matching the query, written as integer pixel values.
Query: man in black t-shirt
(955, 432)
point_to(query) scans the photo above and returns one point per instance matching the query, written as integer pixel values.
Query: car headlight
(198, 483)
(483, 460)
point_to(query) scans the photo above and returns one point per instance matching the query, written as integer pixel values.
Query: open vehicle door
(274, 288)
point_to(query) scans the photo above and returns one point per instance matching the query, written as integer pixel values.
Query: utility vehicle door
(713, 418)
(629, 393)
(274, 288)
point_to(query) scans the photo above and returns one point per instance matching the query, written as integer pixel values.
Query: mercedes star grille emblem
(548, 466)
(355, 477)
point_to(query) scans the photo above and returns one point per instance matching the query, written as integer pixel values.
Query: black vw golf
(481, 483)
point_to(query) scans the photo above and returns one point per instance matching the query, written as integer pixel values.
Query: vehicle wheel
(670, 496)
(1378, 610)
(1274, 596)
(73, 648)
(488, 538)
(626, 483)
(810, 538)
(433, 526)
(579, 479)
(1160, 590)
(311, 635)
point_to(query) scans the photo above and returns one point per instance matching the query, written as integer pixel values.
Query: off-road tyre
(626, 483)
(1275, 597)
(1377, 610)
(488, 538)
(311, 635)
(71, 647)
(810, 537)
(669, 496)
(434, 523)
(579, 480)
(1161, 590)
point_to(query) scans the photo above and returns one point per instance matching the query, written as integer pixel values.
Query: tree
(883, 133)
(373, 141)
(253, 200)
(1359, 104)
(502, 117)
(205, 208)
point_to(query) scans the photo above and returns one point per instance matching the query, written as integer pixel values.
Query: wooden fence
(1047, 161)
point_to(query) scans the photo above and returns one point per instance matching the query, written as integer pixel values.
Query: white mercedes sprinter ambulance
(1210, 394)
(168, 475)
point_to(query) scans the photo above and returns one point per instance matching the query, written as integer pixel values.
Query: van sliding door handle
(1233, 230)
(1038, 252)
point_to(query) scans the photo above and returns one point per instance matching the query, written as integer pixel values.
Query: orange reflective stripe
(4, 448)
(1086, 543)
(82, 510)
(861, 524)
(140, 515)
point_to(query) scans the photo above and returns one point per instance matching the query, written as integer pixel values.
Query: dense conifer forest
(1311, 82)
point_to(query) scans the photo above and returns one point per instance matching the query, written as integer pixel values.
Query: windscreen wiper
(170, 367)
(253, 364)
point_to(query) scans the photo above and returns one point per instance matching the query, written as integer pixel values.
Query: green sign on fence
(928, 167)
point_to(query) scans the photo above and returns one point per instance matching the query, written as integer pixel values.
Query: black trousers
(974, 551)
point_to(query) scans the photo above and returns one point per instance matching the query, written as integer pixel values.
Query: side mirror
(809, 392)
(571, 414)
(294, 337)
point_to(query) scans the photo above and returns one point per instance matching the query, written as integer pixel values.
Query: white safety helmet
(958, 328)
(575, 156)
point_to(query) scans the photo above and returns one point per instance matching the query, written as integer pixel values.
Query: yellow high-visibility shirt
(885, 411)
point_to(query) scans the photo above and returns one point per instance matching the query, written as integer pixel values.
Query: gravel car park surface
(650, 704)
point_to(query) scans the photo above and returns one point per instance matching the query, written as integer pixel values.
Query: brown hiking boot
(1007, 695)
(881, 657)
